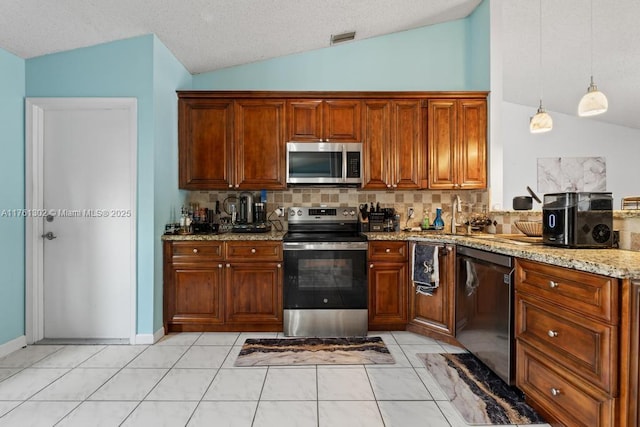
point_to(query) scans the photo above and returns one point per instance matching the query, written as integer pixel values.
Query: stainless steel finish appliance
(484, 309)
(578, 220)
(325, 273)
(324, 163)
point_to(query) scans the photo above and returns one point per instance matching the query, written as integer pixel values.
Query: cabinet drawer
(586, 293)
(565, 396)
(196, 251)
(585, 346)
(246, 251)
(391, 251)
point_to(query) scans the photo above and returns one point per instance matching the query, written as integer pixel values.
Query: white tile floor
(189, 379)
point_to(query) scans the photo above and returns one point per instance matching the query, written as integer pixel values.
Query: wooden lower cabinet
(254, 293)
(222, 286)
(387, 285)
(567, 344)
(434, 315)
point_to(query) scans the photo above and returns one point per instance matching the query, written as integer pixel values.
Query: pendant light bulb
(593, 102)
(541, 122)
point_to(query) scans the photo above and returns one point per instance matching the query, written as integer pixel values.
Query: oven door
(325, 275)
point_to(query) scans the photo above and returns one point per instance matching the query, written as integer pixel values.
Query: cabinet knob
(253, 250)
(387, 250)
(279, 265)
(553, 284)
(228, 265)
(395, 185)
(195, 250)
(388, 185)
(555, 391)
(219, 265)
(370, 265)
(230, 185)
(552, 334)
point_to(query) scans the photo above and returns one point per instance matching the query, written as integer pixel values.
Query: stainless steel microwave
(324, 163)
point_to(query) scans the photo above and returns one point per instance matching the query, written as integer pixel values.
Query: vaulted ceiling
(206, 35)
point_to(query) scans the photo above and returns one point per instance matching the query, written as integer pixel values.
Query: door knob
(49, 236)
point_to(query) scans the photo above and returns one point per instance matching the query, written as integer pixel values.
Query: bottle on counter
(438, 223)
(425, 220)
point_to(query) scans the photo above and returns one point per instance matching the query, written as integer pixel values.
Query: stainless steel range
(325, 270)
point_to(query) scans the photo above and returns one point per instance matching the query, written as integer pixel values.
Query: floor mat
(479, 395)
(314, 351)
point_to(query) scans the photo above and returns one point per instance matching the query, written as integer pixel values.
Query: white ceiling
(206, 35)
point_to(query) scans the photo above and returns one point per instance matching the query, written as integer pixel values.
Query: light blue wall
(427, 58)
(12, 91)
(118, 69)
(448, 56)
(168, 75)
(478, 47)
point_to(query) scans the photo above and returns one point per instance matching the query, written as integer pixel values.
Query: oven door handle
(325, 246)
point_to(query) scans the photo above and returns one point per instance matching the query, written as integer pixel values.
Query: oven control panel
(322, 214)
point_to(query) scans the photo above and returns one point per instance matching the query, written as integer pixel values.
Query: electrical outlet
(280, 211)
(409, 213)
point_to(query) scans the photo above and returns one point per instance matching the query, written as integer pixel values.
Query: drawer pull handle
(195, 250)
(552, 334)
(553, 284)
(555, 391)
(253, 250)
(387, 250)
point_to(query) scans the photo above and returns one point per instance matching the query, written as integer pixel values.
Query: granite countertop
(616, 263)
(271, 235)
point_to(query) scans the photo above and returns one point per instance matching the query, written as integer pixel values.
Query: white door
(84, 228)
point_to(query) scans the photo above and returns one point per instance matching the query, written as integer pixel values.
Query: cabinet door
(205, 132)
(472, 137)
(342, 120)
(442, 137)
(254, 293)
(197, 295)
(436, 313)
(376, 145)
(387, 295)
(408, 145)
(260, 150)
(304, 120)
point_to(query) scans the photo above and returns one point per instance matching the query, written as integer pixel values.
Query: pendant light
(541, 122)
(593, 102)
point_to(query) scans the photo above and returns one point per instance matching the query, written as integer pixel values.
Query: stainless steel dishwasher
(484, 308)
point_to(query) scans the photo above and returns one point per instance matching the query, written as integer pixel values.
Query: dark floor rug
(479, 395)
(314, 351)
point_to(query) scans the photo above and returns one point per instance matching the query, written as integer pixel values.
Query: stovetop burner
(323, 224)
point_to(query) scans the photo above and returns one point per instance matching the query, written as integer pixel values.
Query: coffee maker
(578, 220)
(245, 209)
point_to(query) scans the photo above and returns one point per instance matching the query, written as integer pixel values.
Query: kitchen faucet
(456, 208)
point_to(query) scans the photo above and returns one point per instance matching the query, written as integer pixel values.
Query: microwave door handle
(344, 163)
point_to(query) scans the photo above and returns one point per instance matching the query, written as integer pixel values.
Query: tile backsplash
(626, 222)
(420, 201)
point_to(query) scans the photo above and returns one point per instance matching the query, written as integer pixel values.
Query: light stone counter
(616, 263)
(271, 235)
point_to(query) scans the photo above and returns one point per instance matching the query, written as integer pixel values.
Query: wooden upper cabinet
(393, 145)
(205, 132)
(259, 144)
(328, 120)
(457, 143)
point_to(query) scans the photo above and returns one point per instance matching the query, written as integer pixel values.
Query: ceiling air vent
(344, 37)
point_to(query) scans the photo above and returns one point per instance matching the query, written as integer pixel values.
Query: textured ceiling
(206, 35)
(566, 55)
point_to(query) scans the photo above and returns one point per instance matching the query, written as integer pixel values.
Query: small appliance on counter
(578, 220)
(252, 217)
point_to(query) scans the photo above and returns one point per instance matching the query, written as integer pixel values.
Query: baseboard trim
(150, 338)
(13, 345)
